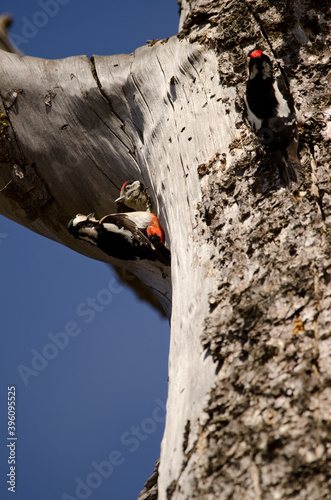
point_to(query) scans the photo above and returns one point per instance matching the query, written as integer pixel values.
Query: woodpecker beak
(120, 198)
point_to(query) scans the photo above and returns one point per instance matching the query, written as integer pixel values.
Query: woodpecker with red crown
(122, 236)
(134, 195)
(271, 114)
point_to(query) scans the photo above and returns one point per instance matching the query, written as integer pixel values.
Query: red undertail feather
(154, 229)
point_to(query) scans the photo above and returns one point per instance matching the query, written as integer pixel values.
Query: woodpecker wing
(123, 224)
(130, 229)
(285, 92)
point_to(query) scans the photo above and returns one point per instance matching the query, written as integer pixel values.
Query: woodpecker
(134, 195)
(271, 114)
(122, 236)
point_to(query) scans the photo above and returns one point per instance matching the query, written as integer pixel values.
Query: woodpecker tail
(290, 173)
(293, 161)
(162, 251)
(289, 169)
(294, 170)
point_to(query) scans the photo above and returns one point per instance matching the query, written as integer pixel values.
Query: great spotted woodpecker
(271, 114)
(134, 195)
(122, 236)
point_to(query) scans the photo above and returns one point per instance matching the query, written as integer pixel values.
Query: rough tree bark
(248, 412)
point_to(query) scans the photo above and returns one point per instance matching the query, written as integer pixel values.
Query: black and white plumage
(134, 195)
(122, 236)
(271, 114)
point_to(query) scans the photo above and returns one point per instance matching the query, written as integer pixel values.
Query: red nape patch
(256, 53)
(125, 183)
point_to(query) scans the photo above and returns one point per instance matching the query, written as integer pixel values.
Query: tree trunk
(248, 411)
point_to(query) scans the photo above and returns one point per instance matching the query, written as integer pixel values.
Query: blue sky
(88, 361)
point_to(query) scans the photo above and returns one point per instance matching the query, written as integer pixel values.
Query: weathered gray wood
(249, 365)
(43, 175)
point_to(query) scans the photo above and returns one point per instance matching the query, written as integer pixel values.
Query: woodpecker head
(133, 194)
(84, 227)
(129, 190)
(259, 65)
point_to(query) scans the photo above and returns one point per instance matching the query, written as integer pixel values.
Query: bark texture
(248, 412)
(267, 434)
